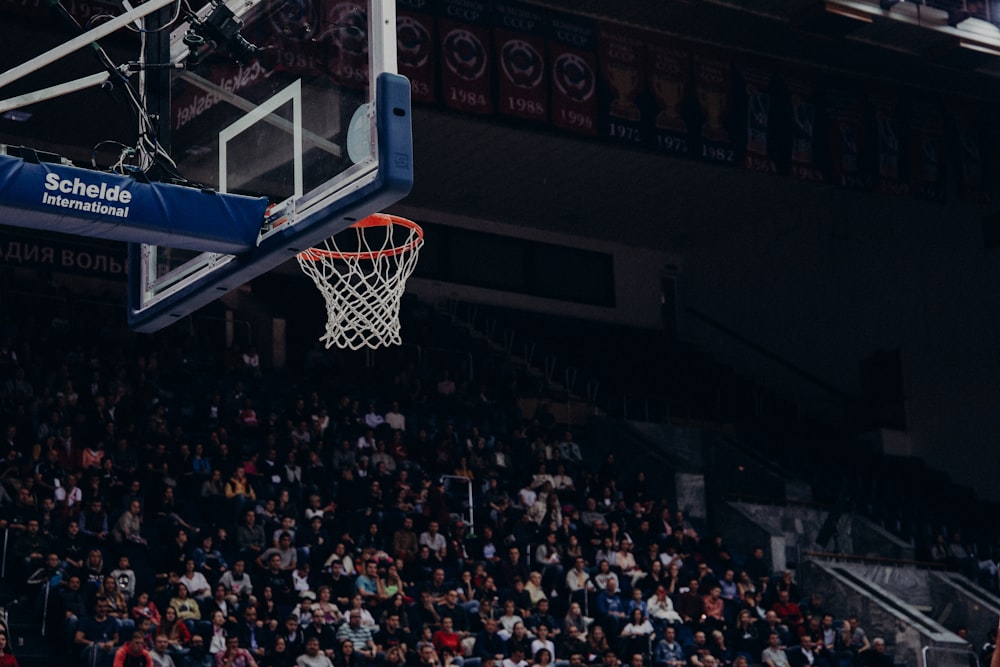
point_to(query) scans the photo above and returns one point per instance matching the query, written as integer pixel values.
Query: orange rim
(374, 220)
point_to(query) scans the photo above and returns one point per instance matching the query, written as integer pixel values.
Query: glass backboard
(297, 101)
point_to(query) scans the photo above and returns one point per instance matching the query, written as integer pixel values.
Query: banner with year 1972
(620, 53)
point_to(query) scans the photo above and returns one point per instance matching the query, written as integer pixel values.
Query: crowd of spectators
(333, 528)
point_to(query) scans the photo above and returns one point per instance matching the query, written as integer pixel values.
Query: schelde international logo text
(100, 198)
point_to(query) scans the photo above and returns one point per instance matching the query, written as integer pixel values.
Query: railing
(942, 656)
(806, 392)
(874, 560)
(468, 484)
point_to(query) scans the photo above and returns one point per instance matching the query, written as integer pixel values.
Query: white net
(362, 274)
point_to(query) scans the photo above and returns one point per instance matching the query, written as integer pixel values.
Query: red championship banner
(804, 162)
(620, 54)
(668, 70)
(925, 121)
(572, 50)
(757, 86)
(968, 137)
(345, 32)
(464, 38)
(891, 143)
(416, 49)
(713, 84)
(848, 140)
(519, 39)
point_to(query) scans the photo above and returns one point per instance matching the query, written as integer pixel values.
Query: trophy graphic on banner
(624, 82)
(669, 93)
(714, 103)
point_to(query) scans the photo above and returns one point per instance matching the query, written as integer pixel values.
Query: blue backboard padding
(84, 202)
(393, 181)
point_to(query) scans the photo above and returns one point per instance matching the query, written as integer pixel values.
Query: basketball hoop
(362, 277)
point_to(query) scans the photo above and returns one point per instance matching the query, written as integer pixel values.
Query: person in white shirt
(434, 540)
(395, 419)
(578, 579)
(195, 581)
(516, 659)
(373, 419)
(661, 609)
(237, 581)
(542, 641)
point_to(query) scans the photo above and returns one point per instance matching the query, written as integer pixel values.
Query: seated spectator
(97, 637)
(636, 634)
(597, 644)
(313, 657)
(253, 634)
(237, 582)
(133, 653)
(773, 654)
(118, 608)
(715, 609)
(208, 559)
(519, 640)
(279, 655)
(611, 607)
(489, 643)
(143, 607)
(359, 636)
(661, 610)
(448, 642)
(187, 607)
(216, 633)
(667, 652)
(159, 655)
(177, 632)
(195, 582)
(876, 656)
(234, 655)
(543, 641)
(806, 654)
(291, 632)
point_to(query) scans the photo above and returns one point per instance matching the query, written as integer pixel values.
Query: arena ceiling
(513, 173)
(488, 169)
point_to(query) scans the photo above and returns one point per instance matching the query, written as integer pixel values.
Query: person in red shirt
(715, 608)
(789, 613)
(6, 659)
(134, 653)
(446, 640)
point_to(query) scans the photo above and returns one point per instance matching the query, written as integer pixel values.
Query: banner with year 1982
(713, 82)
